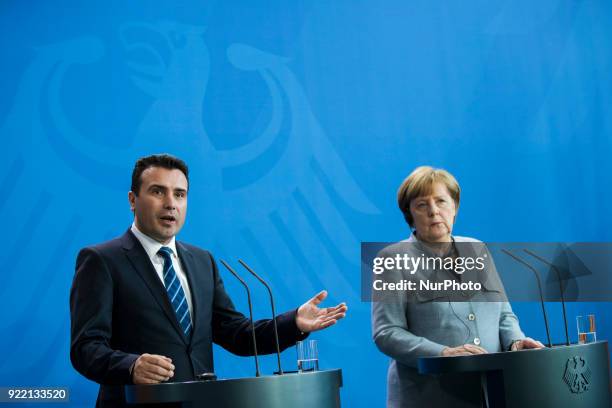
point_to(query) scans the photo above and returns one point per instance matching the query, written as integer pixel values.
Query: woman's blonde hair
(420, 182)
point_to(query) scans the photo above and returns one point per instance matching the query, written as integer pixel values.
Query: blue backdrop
(298, 120)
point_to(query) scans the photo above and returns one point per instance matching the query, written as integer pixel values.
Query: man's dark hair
(166, 161)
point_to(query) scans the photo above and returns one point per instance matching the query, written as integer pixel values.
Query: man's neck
(166, 242)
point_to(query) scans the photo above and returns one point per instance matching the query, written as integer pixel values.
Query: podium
(320, 389)
(559, 377)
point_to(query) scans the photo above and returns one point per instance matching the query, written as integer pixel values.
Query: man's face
(161, 204)
(434, 214)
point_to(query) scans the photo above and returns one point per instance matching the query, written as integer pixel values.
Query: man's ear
(132, 200)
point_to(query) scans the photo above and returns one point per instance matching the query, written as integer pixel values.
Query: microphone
(259, 278)
(554, 268)
(537, 275)
(257, 373)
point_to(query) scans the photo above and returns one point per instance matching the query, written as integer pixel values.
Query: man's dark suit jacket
(119, 310)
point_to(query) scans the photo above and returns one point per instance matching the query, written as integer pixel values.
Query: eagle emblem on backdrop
(280, 201)
(282, 192)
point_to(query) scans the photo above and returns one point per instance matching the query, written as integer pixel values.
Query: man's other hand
(311, 318)
(152, 369)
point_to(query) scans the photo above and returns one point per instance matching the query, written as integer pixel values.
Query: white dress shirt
(152, 248)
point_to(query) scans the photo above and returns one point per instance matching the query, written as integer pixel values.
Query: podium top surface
(290, 384)
(501, 360)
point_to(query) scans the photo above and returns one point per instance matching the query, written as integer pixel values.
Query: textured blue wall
(299, 120)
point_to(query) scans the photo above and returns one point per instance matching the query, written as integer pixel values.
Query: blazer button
(471, 316)
(477, 341)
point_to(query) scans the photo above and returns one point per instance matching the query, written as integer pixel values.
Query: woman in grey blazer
(422, 323)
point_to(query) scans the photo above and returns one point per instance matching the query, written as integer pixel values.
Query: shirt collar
(150, 245)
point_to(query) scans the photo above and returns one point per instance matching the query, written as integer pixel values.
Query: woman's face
(434, 214)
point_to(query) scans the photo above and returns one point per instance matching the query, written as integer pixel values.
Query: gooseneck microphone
(554, 268)
(257, 373)
(259, 278)
(537, 275)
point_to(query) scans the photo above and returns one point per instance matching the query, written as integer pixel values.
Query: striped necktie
(175, 291)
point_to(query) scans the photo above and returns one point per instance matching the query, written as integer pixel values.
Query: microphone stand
(259, 278)
(257, 373)
(537, 275)
(554, 268)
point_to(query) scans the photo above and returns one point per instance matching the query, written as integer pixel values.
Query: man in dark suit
(146, 308)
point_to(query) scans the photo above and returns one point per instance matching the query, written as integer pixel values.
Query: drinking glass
(307, 356)
(586, 329)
